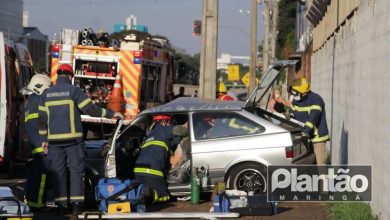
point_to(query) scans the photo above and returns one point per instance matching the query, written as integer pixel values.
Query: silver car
(230, 141)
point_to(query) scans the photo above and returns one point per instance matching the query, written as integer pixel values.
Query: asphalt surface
(297, 210)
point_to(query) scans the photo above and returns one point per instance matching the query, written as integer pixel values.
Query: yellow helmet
(301, 85)
(221, 87)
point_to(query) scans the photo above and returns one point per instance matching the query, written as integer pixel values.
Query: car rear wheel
(248, 177)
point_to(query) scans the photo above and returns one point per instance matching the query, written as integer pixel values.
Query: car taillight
(289, 152)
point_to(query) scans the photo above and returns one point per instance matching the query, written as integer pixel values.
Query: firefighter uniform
(152, 162)
(225, 97)
(37, 171)
(309, 108)
(59, 114)
(311, 111)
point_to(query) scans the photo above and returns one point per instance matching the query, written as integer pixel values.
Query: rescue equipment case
(252, 205)
(112, 191)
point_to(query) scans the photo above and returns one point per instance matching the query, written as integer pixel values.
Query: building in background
(131, 24)
(11, 19)
(37, 43)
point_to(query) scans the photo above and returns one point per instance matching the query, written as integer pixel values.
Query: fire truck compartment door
(108, 59)
(3, 95)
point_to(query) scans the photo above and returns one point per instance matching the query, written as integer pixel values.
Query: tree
(286, 36)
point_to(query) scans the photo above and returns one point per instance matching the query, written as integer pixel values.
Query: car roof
(187, 104)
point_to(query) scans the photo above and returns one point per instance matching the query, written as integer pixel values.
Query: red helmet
(65, 68)
(161, 117)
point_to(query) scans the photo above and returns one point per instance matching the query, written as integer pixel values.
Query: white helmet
(39, 83)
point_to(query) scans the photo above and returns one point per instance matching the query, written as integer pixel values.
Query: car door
(221, 139)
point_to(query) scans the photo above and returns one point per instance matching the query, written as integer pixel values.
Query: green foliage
(120, 35)
(286, 24)
(187, 68)
(350, 211)
(40, 66)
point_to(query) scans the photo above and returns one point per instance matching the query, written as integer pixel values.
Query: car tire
(248, 177)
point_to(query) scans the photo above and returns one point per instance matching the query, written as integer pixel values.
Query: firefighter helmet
(161, 117)
(221, 87)
(39, 83)
(65, 68)
(301, 85)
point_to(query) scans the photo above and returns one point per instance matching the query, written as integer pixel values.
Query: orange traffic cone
(115, 99)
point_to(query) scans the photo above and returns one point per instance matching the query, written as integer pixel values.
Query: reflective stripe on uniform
(42, 132)
(320, 139)
(233, 124)
(77, 198)
(65, 136)
(159, 199)
(158, 143)
(60, 199)
(148, 171)
(31, 116)
(72, 133)
(306, 108)
(42, 108)
(34, 204)
(41, 188)
(104, 112)
(309, 124)
(84, 103)
(37, 150)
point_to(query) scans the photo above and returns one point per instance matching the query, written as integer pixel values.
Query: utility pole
(252, 68)
(208, 56)
(275, 15)
(266, 36)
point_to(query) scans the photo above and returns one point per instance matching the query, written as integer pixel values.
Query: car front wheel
(248, 177)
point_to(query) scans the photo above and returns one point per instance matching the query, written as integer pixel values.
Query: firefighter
(38, 167)
(309, 108)
(59, 116)
(151, 165)
(222, 92)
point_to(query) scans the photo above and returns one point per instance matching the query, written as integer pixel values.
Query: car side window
(219, 125)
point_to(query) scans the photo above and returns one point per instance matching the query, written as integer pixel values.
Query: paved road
(301, 210)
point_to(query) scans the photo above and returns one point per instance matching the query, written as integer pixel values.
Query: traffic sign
(233, 72)
(245, 79)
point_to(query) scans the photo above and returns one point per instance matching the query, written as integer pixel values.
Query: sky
(170, 18)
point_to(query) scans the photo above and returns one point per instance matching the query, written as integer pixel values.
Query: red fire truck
(143, 66)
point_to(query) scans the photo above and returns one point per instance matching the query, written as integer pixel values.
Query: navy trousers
(73, 157)
(36, 181)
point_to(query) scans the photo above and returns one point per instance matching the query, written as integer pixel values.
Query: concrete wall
(351, 71)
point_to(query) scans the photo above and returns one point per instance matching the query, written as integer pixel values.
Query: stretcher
(11, 207)
(159, 215)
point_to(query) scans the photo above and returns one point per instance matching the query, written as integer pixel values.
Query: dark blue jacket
(60, 111)
(154, 154)
(31, 124)
(311, 111)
